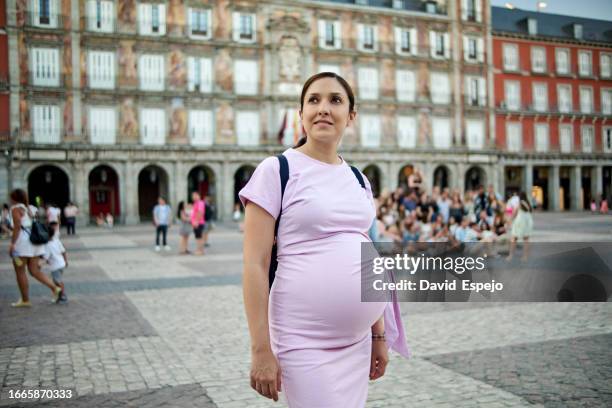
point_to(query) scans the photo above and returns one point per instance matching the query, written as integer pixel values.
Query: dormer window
(578, 31)
(532, 26)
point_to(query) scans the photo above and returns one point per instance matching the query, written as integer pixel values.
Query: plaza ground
(149, 329)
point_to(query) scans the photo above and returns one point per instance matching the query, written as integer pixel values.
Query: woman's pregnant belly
(316, 297)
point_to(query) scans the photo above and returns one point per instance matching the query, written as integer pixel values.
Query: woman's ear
(351, 118)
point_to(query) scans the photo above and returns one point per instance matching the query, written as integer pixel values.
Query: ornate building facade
(114, 102)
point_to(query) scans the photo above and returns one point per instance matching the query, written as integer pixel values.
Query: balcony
(551, 109)
(45, 79)
(430, 7)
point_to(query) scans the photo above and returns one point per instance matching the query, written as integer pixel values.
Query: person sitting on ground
(100, 220)
(110, 220)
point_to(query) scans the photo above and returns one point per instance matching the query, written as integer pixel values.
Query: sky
(599, 9)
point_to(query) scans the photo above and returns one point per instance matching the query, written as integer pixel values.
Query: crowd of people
(411, 214)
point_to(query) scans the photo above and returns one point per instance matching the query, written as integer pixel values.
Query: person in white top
(56, 260)
(23, 252)
(53, 214)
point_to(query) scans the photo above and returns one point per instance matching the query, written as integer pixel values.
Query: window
(562, 60)
(606, 133)
(474, 134)
(604, 65)
(511, 61)
(247, 128)
(471, 10)
(152, 19)
(101, 69)
(405, 85)
(473, 49)
(44, 13)
(46, 124)
(513, 136)
(45, 67)
(199, 73)
(406, 132)
(245, 77)
(200, 127)
(532, 26)
(587, 138)
(406, 41)
(368, 83)
(578, 31)
(513, 95)
(152, 126)
(329, 34)
(441, 128)
(538, 59)
(606, 101)
(475, 91)
(102, 125)
(564, 96)
(370, 130)
(244, 27)
(367, 37)
(541, 137)
(566, 134)
(151, 72)
(540, 97)
(439, 44)
(584, 63)
(586, 100)
(100, 16)
(200, 23)
(329, 68)
(440, 88)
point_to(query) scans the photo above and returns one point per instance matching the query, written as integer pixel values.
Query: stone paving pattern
(147, 329)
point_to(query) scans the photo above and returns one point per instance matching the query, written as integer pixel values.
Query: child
(56, 261)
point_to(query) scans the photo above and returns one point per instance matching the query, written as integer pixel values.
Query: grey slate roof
(550, 25)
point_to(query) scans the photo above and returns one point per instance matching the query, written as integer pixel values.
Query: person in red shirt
(198, 221)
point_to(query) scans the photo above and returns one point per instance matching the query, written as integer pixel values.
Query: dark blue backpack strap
(284, 177)
(357, 174)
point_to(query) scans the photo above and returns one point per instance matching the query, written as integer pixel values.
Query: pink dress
(320, 330)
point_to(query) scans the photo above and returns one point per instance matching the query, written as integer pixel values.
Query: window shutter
(464, 10)
(478, 5)
(144, 24)
(337, 35)
(466, 48)
(190, 74)
(413, 41)
(91, 15)
(398, 40)
(482, 92)
(52, 13)
(206, 72)
(36, 15)
(446, 46)
(360, 36)
(162, 19)
(321, 33)
(480, 51)
(432, 43)
(375, 37)
(236, 26)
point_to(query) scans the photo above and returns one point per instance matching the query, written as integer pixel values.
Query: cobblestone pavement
(147, 329)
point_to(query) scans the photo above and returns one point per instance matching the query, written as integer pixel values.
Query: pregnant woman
(311, 336)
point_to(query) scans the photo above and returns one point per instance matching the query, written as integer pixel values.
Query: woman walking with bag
(311, 336)
(23, 251)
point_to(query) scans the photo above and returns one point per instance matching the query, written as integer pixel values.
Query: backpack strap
(284, 177)
(357, 174)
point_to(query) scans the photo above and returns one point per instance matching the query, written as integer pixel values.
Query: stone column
(553, 188)
(180, 179)
(225, 191)
(597, 181)
(131, 187)
(461, 178)
(123, 191)
(575, 188)
(79, 192)
(528, 179)
(76, 70)
(13, 56)
(500, 177)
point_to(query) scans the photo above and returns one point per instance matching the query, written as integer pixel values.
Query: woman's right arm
(258, 241)
(16, 213)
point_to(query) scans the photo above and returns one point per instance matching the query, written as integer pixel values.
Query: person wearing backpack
(23, 251)
(311, 336)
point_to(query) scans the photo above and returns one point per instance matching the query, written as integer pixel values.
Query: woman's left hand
(379, 361)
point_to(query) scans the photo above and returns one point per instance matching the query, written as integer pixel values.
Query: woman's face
(325, 114)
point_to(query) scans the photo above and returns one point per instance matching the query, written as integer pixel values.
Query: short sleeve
(264, 187)
(61, 247)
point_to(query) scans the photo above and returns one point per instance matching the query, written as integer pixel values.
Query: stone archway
(48, 184)
(152, 183)
(104, 192)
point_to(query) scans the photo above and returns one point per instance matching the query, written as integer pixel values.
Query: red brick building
(553, 105)
(4, 69)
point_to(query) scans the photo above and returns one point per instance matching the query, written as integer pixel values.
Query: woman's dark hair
(523, 197)
(315, 77)
(20, 196)
(181, 206)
